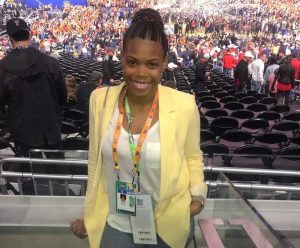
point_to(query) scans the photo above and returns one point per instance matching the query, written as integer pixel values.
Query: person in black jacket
(33, 87)
(285, 78)
(200, 73)
(85, 90)
(108, 70)
(241, 72)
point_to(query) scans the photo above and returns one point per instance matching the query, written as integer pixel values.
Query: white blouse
(149, 168)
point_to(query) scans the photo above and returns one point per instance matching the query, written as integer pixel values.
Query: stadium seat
(269, 101)
(234, 139)
(255, 126)
(281, 109)
(293, 116)
(215, 154)
(242, 115)
(251, 156)
(75, 143)
(257, 108)
(233, 106)
(214, 113)
(222, 124)
(247, 100)
(207, 136)
(239, 95)
(271, 116)
(275, 141)
(227, 99)
(206, 98)
(209, 105)
(289, 128)
(287, 159)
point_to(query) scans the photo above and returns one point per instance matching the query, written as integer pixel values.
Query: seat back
(223, 124)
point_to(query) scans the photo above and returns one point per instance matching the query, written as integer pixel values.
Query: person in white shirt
(256, 69)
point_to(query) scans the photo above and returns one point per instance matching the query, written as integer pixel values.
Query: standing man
(229, 63)
(200, 73)
(108, 70)
(256, 69)
(85, 90)
(33, 87)
(241, 71)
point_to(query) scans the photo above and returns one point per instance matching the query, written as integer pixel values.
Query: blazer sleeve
(92, 156)
(193, 155)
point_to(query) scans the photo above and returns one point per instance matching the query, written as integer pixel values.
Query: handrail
(207, 169)
(255, 186)
(40, 161)
(253, 171)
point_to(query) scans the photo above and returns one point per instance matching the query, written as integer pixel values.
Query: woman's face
(143, 62)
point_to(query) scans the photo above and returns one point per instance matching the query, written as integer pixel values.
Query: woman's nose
(141, 70)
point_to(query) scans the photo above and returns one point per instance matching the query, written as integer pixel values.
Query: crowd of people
(223, 30)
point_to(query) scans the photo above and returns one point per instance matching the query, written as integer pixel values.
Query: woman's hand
(78, 228)
(195, 208)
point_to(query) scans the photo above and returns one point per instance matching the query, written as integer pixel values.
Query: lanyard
(135, 149)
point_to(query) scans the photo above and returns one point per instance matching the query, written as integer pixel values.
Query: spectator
(200, 72)
(108, 70)
(256, 70)
(85, 90)
(71, 89)
(229, 63)
(296, 64)
(241, 74)
(33, 87)
(269, 71)
(286, 81)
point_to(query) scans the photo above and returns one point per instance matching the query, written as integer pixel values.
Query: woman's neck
(140, 102)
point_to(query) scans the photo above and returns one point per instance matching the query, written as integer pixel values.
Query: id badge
(142, 224)
(125, 198)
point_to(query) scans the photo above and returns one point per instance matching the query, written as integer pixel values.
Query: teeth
(141, 85)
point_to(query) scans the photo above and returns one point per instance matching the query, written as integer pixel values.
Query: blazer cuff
(199, 198)
(199, 191)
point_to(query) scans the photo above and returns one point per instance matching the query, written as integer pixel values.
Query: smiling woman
(143, 63)
(144, 144)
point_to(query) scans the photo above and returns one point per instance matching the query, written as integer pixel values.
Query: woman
(72, 90)
(269, 75)
(170, 164)
(285, 78)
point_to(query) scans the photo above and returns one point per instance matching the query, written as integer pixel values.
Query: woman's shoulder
(178, 95)
(105, 94)
(182, 102)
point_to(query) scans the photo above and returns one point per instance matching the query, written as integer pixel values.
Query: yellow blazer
(181, 164)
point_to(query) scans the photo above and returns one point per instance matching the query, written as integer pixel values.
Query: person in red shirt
(229, 63)
(296, 64)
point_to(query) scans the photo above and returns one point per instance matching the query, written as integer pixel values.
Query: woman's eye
(131, 63)
(153, 65)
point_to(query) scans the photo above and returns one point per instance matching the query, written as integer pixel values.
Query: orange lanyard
(143, 135)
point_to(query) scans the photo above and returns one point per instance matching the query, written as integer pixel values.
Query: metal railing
(4, 174)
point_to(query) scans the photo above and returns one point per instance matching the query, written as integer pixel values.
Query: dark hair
(123, 196)
(272, 60)
(147, 24)
(21, 35)
(71, 87)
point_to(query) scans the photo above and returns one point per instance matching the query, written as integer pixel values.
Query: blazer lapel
(167, 136)
(108, 109)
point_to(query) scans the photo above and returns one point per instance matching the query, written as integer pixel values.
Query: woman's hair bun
(148, 16)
